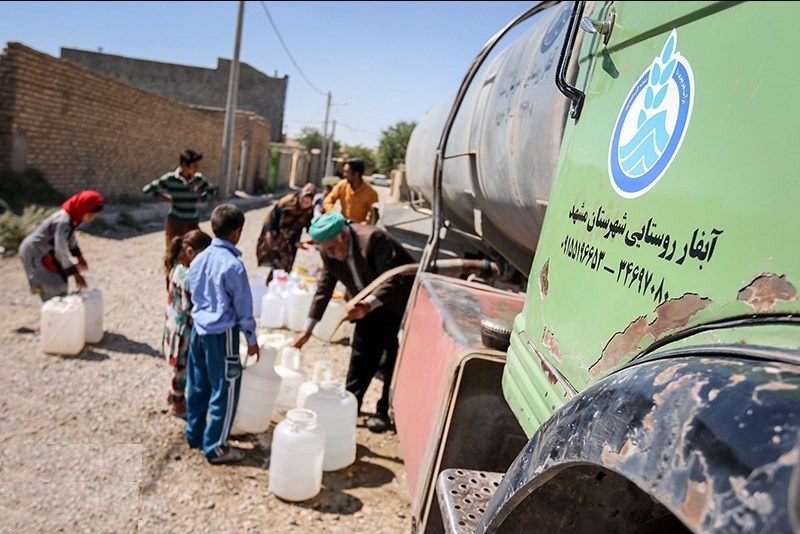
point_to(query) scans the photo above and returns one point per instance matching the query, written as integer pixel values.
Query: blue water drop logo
(652, 123)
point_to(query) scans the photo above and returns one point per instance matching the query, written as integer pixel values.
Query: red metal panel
(421, 385)
(444, 321)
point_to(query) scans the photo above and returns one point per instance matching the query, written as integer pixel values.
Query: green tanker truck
(635, 163)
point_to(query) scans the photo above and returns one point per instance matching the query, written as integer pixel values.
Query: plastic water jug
(273, 309)
(306, 389)
(298, 447)
(292, 376)
(280, 280)
(258, 288)
(63, 325)
(299, 303)
(322, 371)
(275, 340)
(336, 410)
(273, 313)
(324, 329)
(93, 307)
(294, 279)
(297, 276)
(258, 390)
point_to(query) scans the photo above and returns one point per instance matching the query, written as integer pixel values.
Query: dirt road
(88, 445)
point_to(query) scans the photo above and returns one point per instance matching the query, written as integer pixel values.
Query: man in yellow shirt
(354, 194)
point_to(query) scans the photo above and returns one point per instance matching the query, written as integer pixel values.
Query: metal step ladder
(463, 496)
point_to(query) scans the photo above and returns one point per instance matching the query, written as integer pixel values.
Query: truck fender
(709, 443)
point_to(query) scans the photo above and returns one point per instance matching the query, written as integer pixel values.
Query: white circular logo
(652, 123)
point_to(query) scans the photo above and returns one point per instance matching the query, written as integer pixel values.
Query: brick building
(258, 93)
(84, 130)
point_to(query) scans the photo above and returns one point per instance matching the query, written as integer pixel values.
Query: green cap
(327, 226)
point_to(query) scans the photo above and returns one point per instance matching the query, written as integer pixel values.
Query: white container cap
(332, 387)
(301, 419)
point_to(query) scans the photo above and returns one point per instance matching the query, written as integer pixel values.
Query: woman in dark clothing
(277, 244)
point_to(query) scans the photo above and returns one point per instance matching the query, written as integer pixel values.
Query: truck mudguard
(712, 437)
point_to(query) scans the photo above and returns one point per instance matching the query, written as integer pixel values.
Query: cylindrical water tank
(336, 410)
(298, 448)
(503, 148)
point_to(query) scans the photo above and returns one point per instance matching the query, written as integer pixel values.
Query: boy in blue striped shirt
(222, 306)
(183, 188)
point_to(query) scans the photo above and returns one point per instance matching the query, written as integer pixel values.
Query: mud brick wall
(85, 130)
(258, 93)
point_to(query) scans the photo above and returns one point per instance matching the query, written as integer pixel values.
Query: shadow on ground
(115, 342)
(122, 221)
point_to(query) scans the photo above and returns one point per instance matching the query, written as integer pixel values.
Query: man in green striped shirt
(183, 188)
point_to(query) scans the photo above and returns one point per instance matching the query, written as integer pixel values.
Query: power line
(357, 129)
(338, 123)
(286, 49)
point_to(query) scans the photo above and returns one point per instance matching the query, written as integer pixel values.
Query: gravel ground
(88, 445)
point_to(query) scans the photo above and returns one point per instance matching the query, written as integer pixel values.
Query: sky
(382, 62)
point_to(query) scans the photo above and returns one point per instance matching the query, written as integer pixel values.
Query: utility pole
(230, 109)
(325, 155)
(329, 162)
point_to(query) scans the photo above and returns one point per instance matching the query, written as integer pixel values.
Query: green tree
(363, 152)
(392, 145)
(312, 138)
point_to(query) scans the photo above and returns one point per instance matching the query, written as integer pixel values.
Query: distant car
(379, 179)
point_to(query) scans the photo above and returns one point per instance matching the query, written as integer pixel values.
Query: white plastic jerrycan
(299, 302)
(292, 376)
(306, 389)
(295, 465)
(258, 390)
(63, 325)
(93, 308)
(258, 288)
(326, 329)
(322, 371)
(336, 410)
(273, 308)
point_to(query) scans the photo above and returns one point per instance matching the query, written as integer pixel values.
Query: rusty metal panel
(442, 331)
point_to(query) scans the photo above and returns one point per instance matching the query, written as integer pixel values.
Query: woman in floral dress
(277, 244)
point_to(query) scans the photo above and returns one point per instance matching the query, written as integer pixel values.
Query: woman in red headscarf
(46, 252)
